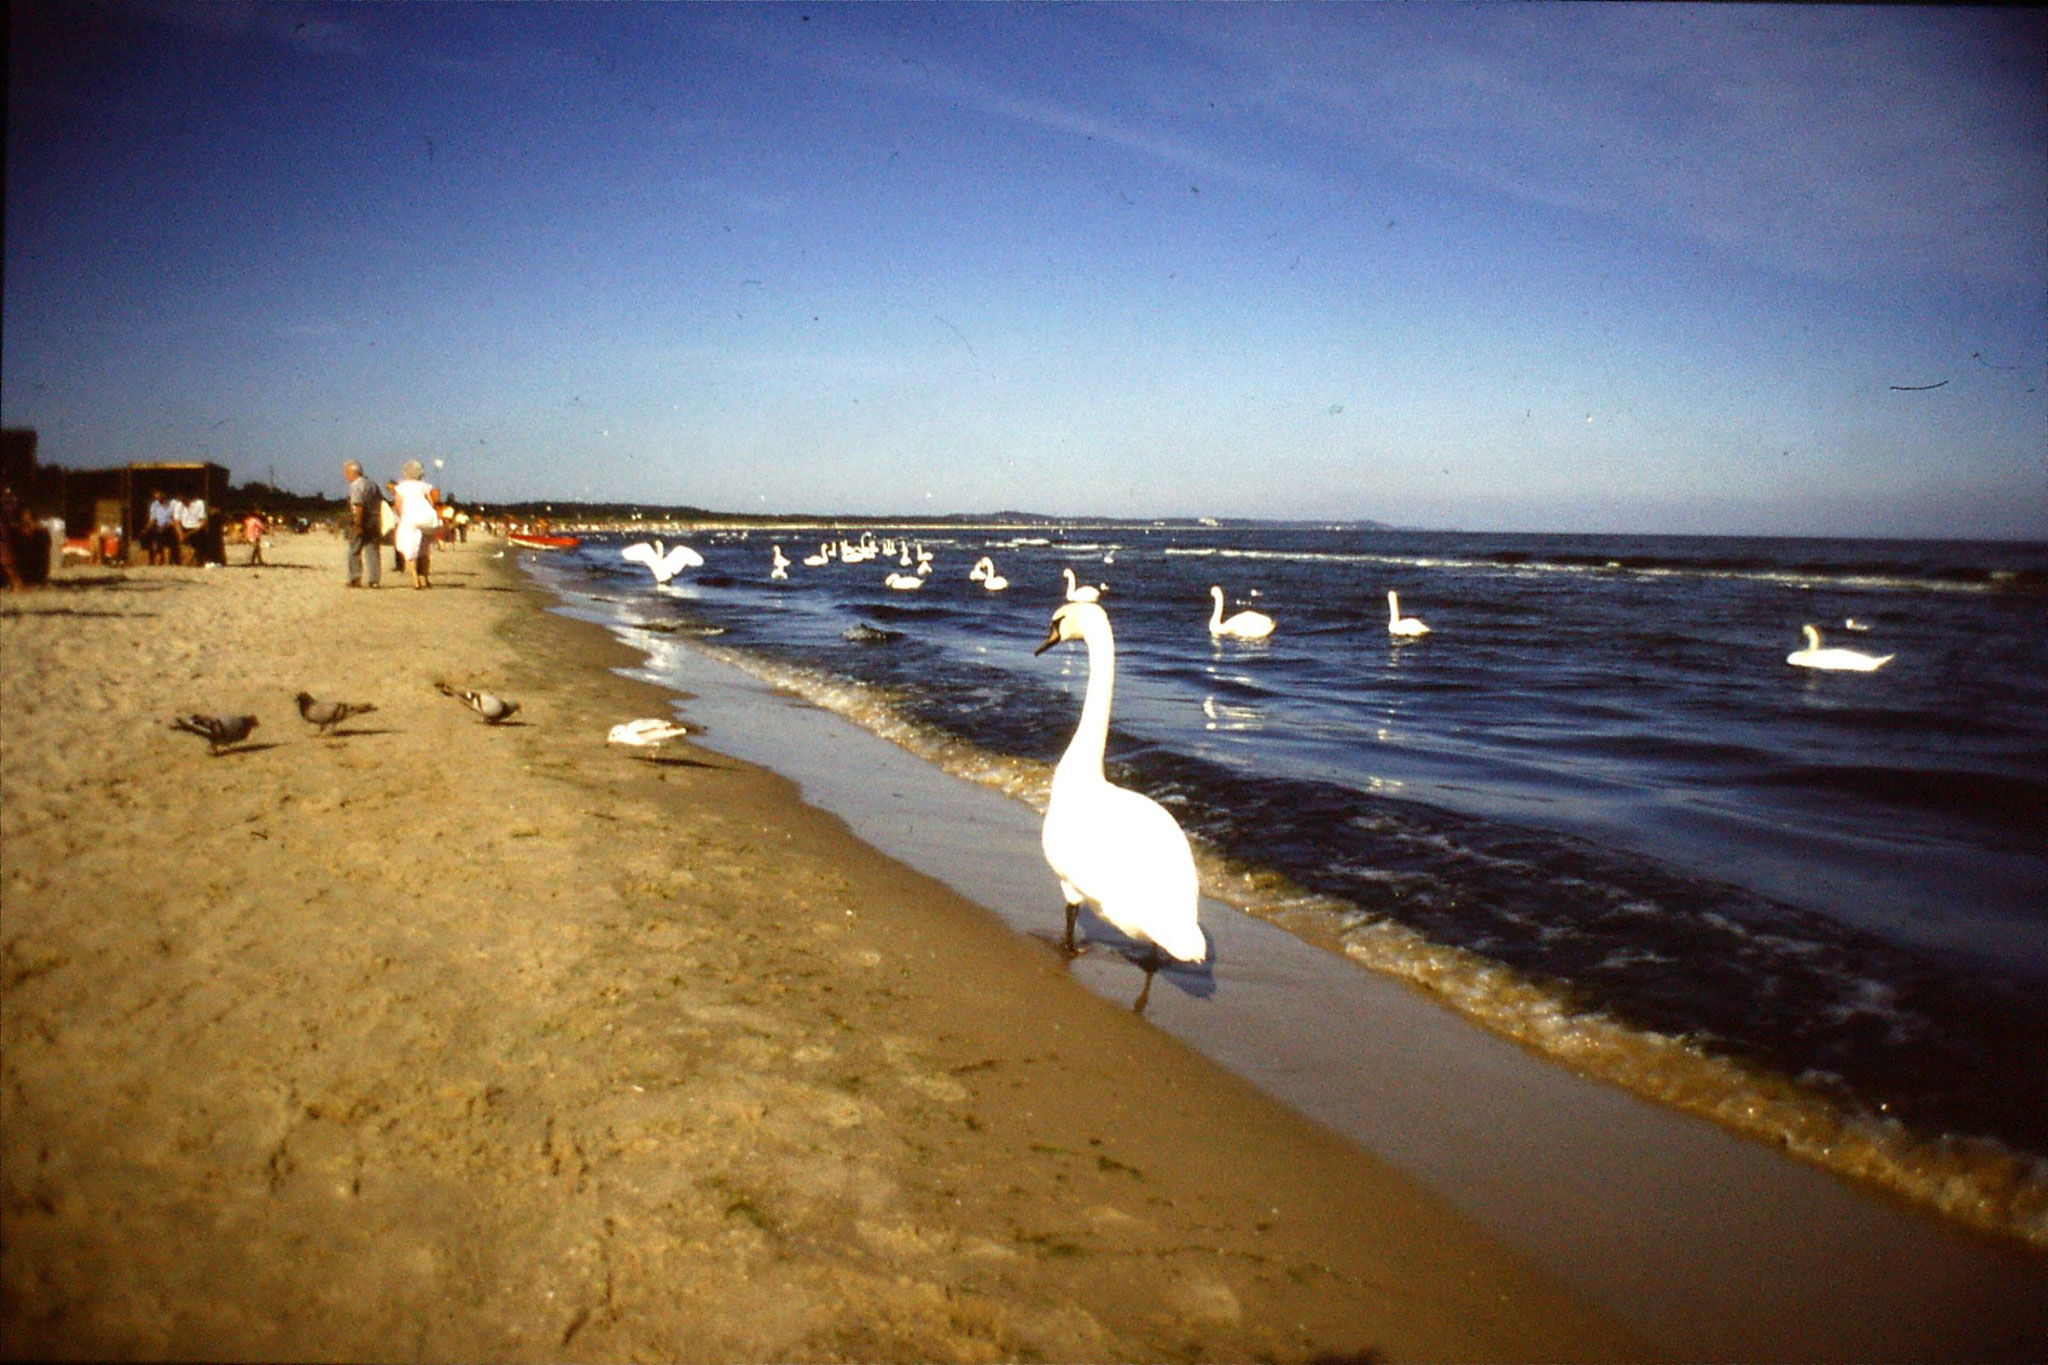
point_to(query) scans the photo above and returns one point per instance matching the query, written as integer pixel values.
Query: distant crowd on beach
(408, 515)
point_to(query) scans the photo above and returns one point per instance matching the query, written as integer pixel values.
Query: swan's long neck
(1091, 736)
(1812, 637)
(1216, 614)
(1393, 606)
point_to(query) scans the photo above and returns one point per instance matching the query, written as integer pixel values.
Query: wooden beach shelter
(119, 496)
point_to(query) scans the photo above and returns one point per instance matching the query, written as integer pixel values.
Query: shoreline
(1677, 1224)
(448, 1040)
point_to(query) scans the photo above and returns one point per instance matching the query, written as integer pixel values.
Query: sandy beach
(435, 1039)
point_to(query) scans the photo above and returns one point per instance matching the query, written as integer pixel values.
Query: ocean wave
(1802, 574)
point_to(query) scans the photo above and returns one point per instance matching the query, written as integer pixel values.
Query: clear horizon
(1738, 270)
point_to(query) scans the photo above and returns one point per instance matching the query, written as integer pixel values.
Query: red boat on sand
(537, 542)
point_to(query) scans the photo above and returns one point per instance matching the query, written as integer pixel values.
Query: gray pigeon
(328, 714)
(491, 708)
(219, 732)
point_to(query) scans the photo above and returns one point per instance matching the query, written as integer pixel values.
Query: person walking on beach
(253, 527)
(419, 520)
(365, 527)
(158, 538)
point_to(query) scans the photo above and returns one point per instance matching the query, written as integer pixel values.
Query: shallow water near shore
(1650, 849)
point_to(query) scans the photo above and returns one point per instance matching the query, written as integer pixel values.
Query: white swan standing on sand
(1077, 593)
(1837, 660)
(1408, 627)
(664, 562)
(1114, 847)
(1245, 625)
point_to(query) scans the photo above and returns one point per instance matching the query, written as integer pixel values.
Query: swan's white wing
(640, 552)
(681, 557)
(1126, 853)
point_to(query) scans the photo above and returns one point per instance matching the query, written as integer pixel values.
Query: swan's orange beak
(1052, 637)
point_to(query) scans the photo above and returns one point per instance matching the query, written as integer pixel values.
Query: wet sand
(438, 1039)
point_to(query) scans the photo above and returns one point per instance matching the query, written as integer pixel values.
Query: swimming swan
(1118, 848)
(1245, 625)
(1397, 624)
(984, 573)
(903, 582)
(1839, 660)
(778, 567)
(664, 562)
(1077, 593)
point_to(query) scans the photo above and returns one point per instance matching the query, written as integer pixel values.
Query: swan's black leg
(1073, 910)
(1151, 965)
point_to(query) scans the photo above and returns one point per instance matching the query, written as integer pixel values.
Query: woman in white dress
(419, 520)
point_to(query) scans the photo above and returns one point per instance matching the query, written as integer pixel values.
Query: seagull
(492, 708)
(219, 732)
(646, 733)
(663, 561)
(328, 714)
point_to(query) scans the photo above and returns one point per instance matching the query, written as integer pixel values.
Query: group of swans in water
(1123, 852)
(1110, 847)
(666, 561)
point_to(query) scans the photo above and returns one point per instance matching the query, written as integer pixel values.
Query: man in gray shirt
(365, 526)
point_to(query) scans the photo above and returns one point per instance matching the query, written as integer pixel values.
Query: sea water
(1594, 808)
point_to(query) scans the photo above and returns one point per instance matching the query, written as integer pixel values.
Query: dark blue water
(1596, 779)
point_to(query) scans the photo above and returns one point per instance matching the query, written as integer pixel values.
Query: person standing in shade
(419, 520)
(192, 529)
(157, 536)
(365, 527)
(174, 543)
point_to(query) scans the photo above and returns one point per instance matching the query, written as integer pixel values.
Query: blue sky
(1596, 267)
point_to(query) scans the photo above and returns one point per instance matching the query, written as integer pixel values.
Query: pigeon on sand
(328, 714)
(219, 732)
(491, 708)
